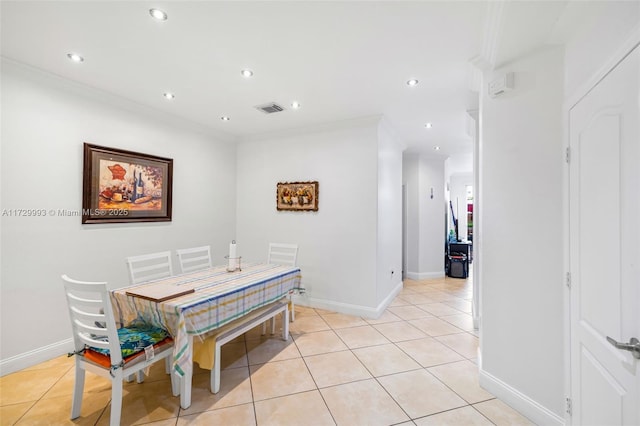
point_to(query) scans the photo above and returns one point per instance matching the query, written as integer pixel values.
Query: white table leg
(285, 324)
(215, 371)
(175, 383)
(293, 308)
(185, 383)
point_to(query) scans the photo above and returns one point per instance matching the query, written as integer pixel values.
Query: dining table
(193, 304)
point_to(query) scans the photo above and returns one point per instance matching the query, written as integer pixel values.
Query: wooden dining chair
(284, 254)
(194, 259)
(103, 349)
(149, 267)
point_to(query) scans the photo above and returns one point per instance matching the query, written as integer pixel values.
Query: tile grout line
(35, 402)
(104, 410)
(433, 375)
(334, 330)
(421, 368)
(426, 370)
(481, 413)
(246, 354)
(372, 375)
(314, 380)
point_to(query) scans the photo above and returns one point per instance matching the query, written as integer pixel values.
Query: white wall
(600, 28)
(45, 121)
(522, 282)
(410, 170)
(338, 243)
(432, 217)
(427, 220)
(389, 256)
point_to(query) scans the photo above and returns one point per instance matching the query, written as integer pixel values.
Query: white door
(604, 239)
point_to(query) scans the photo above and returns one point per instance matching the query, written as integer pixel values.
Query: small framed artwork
(297, 196)
(124, 186)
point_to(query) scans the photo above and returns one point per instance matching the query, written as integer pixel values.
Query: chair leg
(78, 389)
(116, 399)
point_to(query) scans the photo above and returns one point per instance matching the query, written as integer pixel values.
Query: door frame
(619, 55)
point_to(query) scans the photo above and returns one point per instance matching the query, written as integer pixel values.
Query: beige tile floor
(415, 365)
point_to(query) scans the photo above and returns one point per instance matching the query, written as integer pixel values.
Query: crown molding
(74, 87)
(493, 27)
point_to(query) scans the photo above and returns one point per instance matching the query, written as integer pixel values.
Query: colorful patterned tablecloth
(219, 298)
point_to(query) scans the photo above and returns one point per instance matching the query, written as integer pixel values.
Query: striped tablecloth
(219, 298)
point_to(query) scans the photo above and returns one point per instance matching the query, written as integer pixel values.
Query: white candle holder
(238, 263)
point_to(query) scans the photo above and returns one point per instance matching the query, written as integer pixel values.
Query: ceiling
(340, 60)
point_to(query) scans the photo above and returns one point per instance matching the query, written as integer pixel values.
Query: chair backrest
(149, 267)
(283, 254)
(193, 259)
(91, 316)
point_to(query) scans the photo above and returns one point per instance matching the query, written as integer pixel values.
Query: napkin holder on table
(233, 260)
(234, 263)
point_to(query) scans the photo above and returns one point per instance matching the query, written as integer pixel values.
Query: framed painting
(124, 186)
(297, 196)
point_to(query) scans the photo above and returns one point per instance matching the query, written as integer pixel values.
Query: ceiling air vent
(269, 108)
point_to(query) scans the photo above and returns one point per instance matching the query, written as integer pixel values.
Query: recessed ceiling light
(246, 73)
(169, 95)
(225, 118)
(412, 82)
(158, 14)
(436, 148)
(295, 105)
(75, 57)
(428, 125)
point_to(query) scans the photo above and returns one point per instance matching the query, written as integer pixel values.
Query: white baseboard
(387, 300)
(518, 401)
(36, 356)
(417, 276)
(348, 308)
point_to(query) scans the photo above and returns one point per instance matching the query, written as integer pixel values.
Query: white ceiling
(340, 60)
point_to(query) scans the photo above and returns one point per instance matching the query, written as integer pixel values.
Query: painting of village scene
(298, 196)
(122, 186)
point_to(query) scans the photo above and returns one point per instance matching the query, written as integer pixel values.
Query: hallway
(415, 365)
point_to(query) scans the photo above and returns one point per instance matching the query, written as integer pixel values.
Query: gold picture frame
(297, 196)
